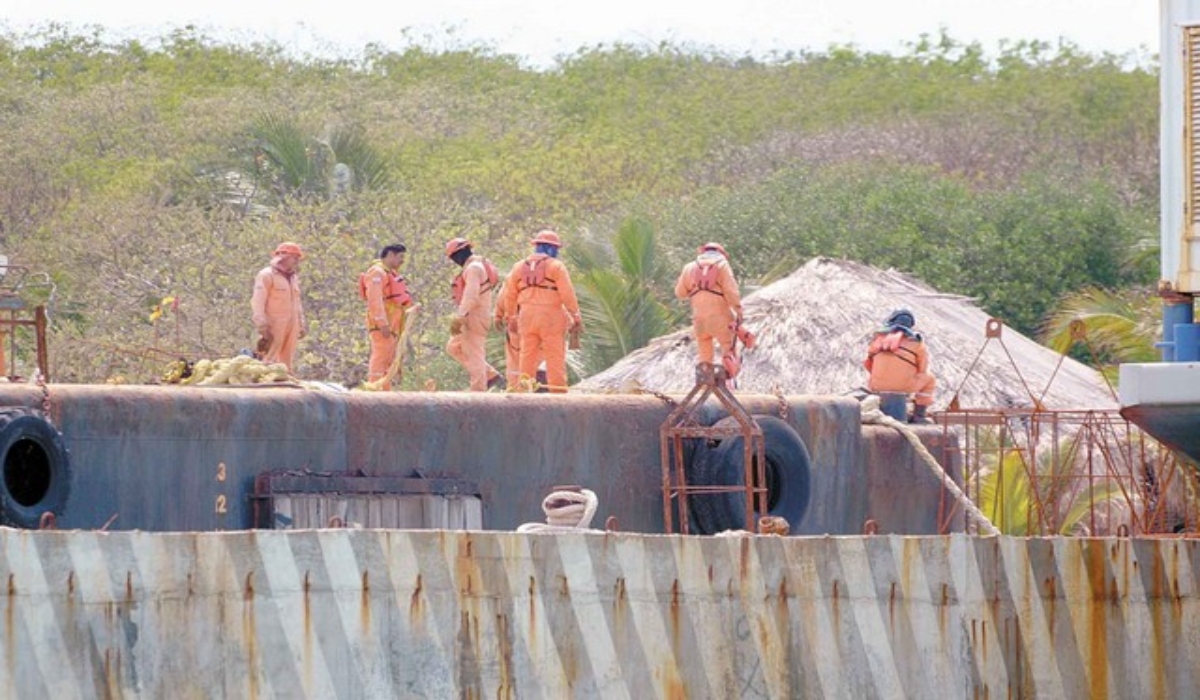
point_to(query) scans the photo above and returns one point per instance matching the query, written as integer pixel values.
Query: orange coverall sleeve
(509, 299)
(683, 288)
(376, 313)
(729, 287)
(566, 290)
(922, 358)
(258, 299)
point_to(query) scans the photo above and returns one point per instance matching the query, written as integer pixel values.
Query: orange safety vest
(704, 279)
(534, 274)
(893, 344)
(459, 286)
(395, 289)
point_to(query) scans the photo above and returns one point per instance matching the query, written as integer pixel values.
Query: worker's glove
(577, 324)
(512, 326)
(303, 332)
(456, 325)
(266, 335)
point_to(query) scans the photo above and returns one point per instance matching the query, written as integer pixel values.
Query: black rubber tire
(788, 472)
(35, 468)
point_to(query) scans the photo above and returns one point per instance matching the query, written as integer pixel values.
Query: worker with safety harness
(709, 284)
(541, 306)
(899, 363)
(275, 306)
(388, 301)
(472, 292)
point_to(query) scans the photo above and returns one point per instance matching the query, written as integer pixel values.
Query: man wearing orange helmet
(709, 283)
(275, 305)
(472, 294)
(387, 297)
(540, 304)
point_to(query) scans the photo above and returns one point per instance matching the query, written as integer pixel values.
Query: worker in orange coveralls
(709, 283)
(536, 294)
(387, 297)
(472, 294)
(899, 362)
(275, 305)
(512, 343)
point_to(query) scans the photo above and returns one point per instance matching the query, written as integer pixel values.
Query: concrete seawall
(407, 614)
(186, 458)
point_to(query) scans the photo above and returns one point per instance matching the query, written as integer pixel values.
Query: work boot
(918, 415)
(497, 381)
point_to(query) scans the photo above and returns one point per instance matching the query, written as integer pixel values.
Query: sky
(540, 30)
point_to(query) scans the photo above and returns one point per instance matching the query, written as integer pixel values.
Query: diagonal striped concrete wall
(434, 614)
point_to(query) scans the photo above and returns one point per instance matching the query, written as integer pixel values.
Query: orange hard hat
(289, 248)
(456, 244)
(547, 236)
(714, 246)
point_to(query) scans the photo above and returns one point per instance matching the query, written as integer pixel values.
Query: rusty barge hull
(189, 459)
(370, 613)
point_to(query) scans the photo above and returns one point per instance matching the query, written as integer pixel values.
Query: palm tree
(1117, 326)
(624, 294)
(1051, 495)
(292, 164)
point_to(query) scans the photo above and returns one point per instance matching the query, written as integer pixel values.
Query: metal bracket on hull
(711, 380)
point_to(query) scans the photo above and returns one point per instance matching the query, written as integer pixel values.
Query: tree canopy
(133, 171)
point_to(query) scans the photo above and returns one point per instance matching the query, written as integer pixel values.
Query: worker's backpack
(460, 285)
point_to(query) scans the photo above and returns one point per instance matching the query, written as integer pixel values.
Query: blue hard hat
(901, 317)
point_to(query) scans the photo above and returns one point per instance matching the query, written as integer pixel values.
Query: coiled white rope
(566, 511)
(871, 413)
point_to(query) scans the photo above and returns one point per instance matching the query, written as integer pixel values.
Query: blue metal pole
(1174, 314)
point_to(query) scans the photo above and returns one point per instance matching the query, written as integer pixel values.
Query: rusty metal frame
(711, 380)
(1085, 450)
(1068, 454)
(10, 320)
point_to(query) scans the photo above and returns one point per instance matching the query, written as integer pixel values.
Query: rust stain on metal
(1097, 611)
(892, 605)
(1051, 585)
(564, 586)
(836, 602)
(307, 650)
(250, 639)
(743, 560)
(71, 583)
(619, 605)
(508, 687)
(248, 587)
(673, 615)
(710, 574)
(944, 610)
(414, 601)
(112, 672)
(365, 602)
(533, 612)
(128, 586)
(983, 625)
(673, 688)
